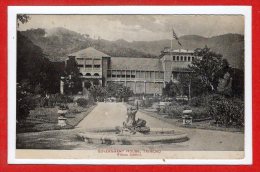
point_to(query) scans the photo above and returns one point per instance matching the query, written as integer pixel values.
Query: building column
(92, 64)
(83, 84)
(61, 86)
(135, 88)
(84, 64)
(154, 77)
(144, 87)
(125, 77)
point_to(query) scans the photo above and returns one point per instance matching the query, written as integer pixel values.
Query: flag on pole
(176, 37)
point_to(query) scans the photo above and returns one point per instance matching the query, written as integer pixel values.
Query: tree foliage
(118, 91)
(227, 111)
(72, 81)
(98, 92)
(170, 89)
(22, 18)
(225, 85)
(35, 75)
(24, 102)
(209, 68)
(34, 68)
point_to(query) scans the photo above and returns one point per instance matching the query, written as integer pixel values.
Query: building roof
(89, 52)
(178, 50)
(132, 63)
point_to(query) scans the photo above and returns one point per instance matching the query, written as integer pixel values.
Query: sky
(140, 27)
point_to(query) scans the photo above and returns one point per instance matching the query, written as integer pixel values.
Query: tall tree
(209, 67)
(118, 90)
(33, 67)
(22, 18)
(171, 89)
(72, 81)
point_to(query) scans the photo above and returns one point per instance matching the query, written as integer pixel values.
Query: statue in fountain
(130, 121)
(133, 125)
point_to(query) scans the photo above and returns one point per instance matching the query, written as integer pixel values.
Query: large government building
(142, 75)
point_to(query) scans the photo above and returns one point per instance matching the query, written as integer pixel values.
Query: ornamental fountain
(132, 132)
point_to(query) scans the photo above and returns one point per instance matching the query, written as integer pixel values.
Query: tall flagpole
(171, 43)
(176, 37)
(171, 37)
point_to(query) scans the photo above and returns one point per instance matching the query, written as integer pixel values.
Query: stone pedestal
(187, 118)
(62, 112)
(61, 86)
(62, 121)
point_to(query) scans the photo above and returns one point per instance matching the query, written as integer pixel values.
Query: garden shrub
(186, 107)
(200, 100)
(148, 102)
(82, 102)
(91, 100)
(200, 113)
(197, 101)
(58, 99)
(227, 111)
(174, 111)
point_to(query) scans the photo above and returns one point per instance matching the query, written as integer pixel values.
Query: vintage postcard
(130, 85)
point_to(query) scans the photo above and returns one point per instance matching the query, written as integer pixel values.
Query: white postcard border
(14, 10)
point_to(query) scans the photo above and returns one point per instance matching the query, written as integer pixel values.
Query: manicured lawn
(42, 119)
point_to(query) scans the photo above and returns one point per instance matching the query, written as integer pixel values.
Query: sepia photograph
(130, 86)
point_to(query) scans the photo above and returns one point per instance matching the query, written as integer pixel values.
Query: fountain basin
(113, 136)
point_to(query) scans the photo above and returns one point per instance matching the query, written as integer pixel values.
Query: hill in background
(58, 42)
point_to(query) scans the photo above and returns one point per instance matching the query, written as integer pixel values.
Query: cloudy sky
(140, 27)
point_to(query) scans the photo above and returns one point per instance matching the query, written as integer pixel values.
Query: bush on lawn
(82, 102)
(200, 100)
(148, 102)
(227, 111)
(60, 98)
(200, 113)
(174, 110)
(197, 101)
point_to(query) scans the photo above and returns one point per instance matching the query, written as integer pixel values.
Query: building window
(132, 76)
(80, 65)
(152, 75)
(96, 66)
(147, 75)
(192, 58)
(142, 74)
(189, 58)
(96, 74)
(161, 75)
(137, 74)
(173, 58)
(157, 75)
(177, 58)
(88, 66)
(88, 74)
(181, 58)
(113, 73)
(185, 58)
